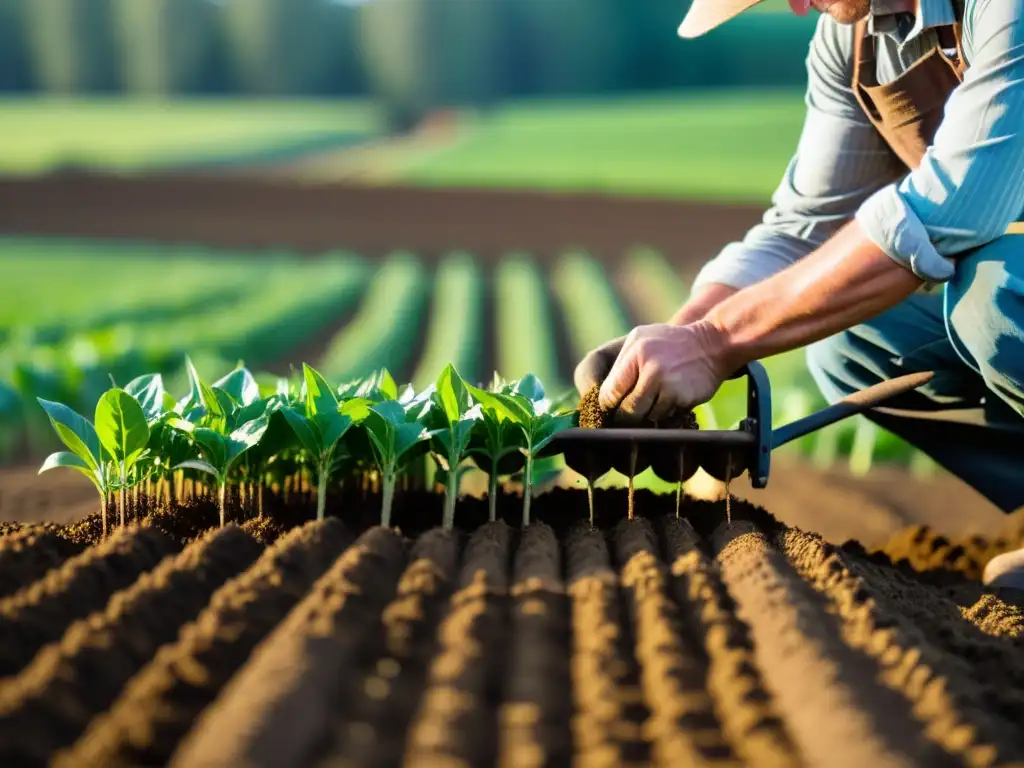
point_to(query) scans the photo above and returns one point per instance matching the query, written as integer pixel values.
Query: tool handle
(856, 403)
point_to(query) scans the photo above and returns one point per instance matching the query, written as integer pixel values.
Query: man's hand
(595, 366)
(662, 368)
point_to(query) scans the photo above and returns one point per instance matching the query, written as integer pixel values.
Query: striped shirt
(969, 187)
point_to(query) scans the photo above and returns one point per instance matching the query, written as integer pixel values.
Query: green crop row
(235, 432)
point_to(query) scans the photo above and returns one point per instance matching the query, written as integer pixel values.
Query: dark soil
(263, 214)
(653, 641)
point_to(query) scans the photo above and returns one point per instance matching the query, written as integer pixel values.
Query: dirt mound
(660, 640)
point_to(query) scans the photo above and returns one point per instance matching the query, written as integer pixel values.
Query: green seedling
(105, 452)
(320, 426)
(526, 406)
(393, 433)
(497, 442)
(220, 426)
(452, 420)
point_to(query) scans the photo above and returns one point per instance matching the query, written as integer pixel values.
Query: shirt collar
(930, 14)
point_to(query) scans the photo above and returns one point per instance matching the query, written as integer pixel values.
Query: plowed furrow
(454, 724)
(973, 653)
(275, 711)
(160, 703)
(827, 692)
(364, 733)
(49, 704)
(683, 727)
(746, 711)
(26, 556)
(606, 726)
(39, 613)
(537, 708)
(955, 712)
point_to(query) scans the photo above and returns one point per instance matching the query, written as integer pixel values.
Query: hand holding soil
(664, 368)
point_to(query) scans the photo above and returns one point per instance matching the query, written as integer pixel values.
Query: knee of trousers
(829, 362)
(984, 313)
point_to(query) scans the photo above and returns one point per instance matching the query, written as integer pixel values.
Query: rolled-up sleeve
(970, 185)
(840, 162)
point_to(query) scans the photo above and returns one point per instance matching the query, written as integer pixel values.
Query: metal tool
(676, 454)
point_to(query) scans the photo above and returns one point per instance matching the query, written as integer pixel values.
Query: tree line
(414, 54)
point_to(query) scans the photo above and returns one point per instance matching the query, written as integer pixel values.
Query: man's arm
(969, 188)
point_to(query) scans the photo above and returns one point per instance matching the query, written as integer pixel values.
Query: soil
(593, 416)
(656, 641)
(219, 210)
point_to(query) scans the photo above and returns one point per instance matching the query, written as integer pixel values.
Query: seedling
(527, 407)
(497, 441)
(452, 419)
(320, 426)
(221, 427)
(393, 433)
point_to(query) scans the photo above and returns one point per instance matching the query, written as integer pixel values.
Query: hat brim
(705, 15)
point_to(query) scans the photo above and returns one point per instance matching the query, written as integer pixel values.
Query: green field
(39, 135)
(728, 146)
(720, 145)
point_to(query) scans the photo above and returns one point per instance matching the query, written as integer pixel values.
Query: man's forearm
(703, 300)
(845, 282)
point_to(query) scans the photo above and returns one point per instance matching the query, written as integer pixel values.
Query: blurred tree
(569, 46)
(15, 64)
(292, 46)
(421, 55)
(71, 45)
(169, 46)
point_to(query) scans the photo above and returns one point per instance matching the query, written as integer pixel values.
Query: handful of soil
(593, 416)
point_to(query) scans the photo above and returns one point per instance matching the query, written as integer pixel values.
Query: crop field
(657, 641)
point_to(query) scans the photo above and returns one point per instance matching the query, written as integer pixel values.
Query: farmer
(892, 245)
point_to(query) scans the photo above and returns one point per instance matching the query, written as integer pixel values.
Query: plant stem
(321, 491)
(386, 496)
(527, 487)
(259, 500)
(220, 499)
(120, 503)
(492, 495)
(104, 499)
(590, 497)
(632, 475)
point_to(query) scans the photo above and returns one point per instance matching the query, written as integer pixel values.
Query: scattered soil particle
(683, 727)
(39, 613)
(455, 722)
(593, 416)
(537, 707)
(275, 710)
(810, 670)
(265, 530)
(27, 555)
(384, 703)
(50, 703)
(747, 712)
(606, 730)
(159, 704)
(955, 712)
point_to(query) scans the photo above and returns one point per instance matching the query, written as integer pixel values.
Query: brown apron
(908, 111)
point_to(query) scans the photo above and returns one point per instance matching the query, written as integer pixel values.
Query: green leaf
(121, 425)
(320, 398)
(202, 466)
(513, 407)
(332, 427)
(529, 387)
(75, 432)
(408, 435)
(245, 437)
(212, 444)
(226, 404)
(452, 394)
(357, 409)
(150, 394)
(391, 411)
(241, 385)
(382, 447)
(304, 430)
(386, 384)
(550, 426)
(71, 461)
